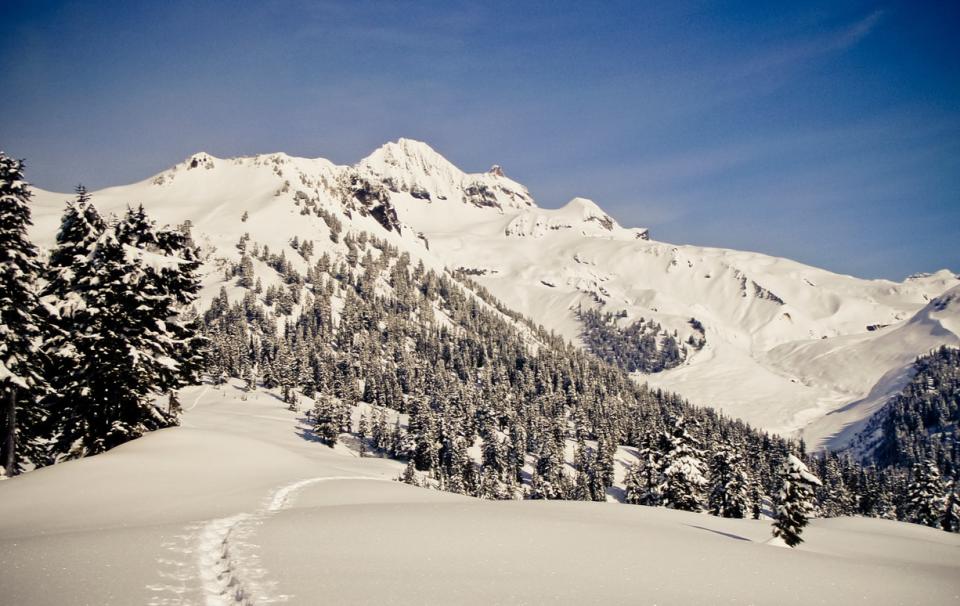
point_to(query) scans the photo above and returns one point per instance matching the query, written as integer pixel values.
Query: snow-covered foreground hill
(240, 502)
(790, 348)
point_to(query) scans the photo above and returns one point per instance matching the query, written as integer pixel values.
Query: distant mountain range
(786, 347)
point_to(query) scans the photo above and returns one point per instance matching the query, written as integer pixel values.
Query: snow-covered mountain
(789, 347)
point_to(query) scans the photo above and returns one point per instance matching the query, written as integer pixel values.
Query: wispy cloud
(802, 51)
(859, 30)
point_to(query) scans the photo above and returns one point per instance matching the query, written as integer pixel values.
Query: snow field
(238, 506)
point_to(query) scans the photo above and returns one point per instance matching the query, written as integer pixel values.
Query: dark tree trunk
(11, 437)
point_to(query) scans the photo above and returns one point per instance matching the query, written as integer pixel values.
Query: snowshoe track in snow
(228, 573)
(220, 575)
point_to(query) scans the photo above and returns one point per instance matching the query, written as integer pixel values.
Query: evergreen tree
(647, 487)
(118, 293)
(409, 475)
(794, 501)
(756, 500)
(633, 485)
(70, 273)
(363, 431)
(379, 432)
(924, 499)
(834, 495)
(176, 273)
(250, 379)
(422, 434)
(22, 323)
(549, 481)
(950, 519)
(174, 406)
(326, 419)
(729, 485)
(80, 228)
(247, 277)
(683, 473)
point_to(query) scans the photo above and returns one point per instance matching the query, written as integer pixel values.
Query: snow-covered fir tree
(683, 477)
(326, 420)
(794, 502)
(23, 322)
(118, 289)
(549, 481)
(925, 495)
(950, 518)
(729, 484)
(410, 476)
(643, 481)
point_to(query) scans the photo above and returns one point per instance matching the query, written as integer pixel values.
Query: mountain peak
(413, 166)
(200, 160)
(414, 157)
(585, 204)
(584, 209)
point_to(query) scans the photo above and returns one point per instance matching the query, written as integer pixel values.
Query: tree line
(371, 325)
(91, 335)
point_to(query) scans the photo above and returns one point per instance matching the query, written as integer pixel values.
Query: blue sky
(828, 133)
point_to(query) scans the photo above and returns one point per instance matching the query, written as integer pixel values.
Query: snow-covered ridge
(414, 168)
(786, 343)
(581, 215)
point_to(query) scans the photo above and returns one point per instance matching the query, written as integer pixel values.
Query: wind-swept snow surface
(241, 506)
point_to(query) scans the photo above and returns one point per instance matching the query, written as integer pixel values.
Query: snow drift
(239, 506)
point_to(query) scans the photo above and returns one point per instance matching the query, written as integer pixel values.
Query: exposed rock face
(200, 160)
(369, 197)
(480, 194)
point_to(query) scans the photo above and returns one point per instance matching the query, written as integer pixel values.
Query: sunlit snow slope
(788, 346)
(240, 506)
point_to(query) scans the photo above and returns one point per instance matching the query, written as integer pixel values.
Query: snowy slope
(884, 360)
(781, 337)
(238, 506)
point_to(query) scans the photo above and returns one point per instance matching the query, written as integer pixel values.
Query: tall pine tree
(729, 485)
(683, 474)
(795, 501)
(925, 499)
(950, 518)
(22, 323)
